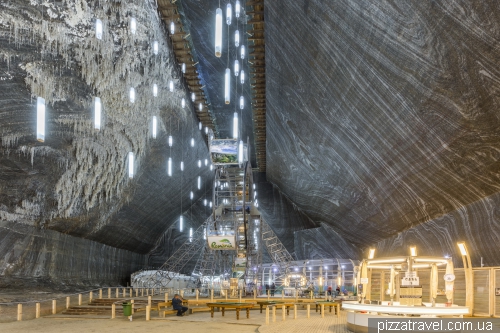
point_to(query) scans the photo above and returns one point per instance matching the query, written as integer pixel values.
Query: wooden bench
(224, 305)
(164, 311)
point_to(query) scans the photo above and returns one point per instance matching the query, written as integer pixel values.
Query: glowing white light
(199, 182)
(206, 162)
(192, 142)
(211, 167)
(193, 96)
(413, 251)
(218, 32)
(462, 248)
(227, 86)
(170, 141)
(242, 49)
(169, 167)
(97, 113)
(253, 186)
(236, 68)
(229, 14)
(240, 152)
(200, 106)
(210, 204)
(155, 90)
(237, 9)
(130, 165)
(200, 125)
(190, 234)
(204, 233)
(132, 95)
(98, 29)
(204, 202)
(199, 163)
(371, 254)
(183, 103)
(237, 38)
(191, 195)
(242, 102)
(133, 25)
(181, 223)
(242, 76)
(206, 130)
(155, 47)
(172, 28)
(182, 165)
(235, 125)
(183, 68)
(171, 85)
(154, 127)
(40, 119)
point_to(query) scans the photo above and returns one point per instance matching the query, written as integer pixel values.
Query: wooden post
(268, 294)
(296, 296)
(166, 297)
(130, 292)
(142, 292)
(255, 294)
(136, 292)
(274, 314)
(322, 310)
(197, 294)
(308, 310)
(211, 295)
(132, 301)
(282, 293)
(54, 308)
(100, 293)
(239, 291)
(79, 299)
(149, 300)
(117, 293)
(124, 291)
(338, 310)
(113, 310)
(147, 291)
(227, 291)
(67, 302)
(267, 315)
(37, 310)
(283, 312)
(109, 292)
(148, 312)
(19, 312)
(182, 293)
(311, 294)
(90, 297)
(295, 311)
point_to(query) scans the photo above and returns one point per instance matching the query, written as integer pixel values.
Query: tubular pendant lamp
(97, 113)
(191, 195)
(155, 47)
(183, 68)
(132, 95)
(130, 165)
(182, 165)
(237, 8)
(171, 85)
(133, 25)
(236, 38)
(183, 102)
(200, 107)
(172, 28)
(40, 119)
(199, 163)
(235, 125)
(242, 51)
(242, 76)
(199, 182)
(98, 29)
(170, 141)
(154, 127)
(218, 32)
(155, 90)
(169, 166)
(192, 142)
(181, 223)
(227, 86)
(240, 152)
(193, 97)
(229, 14)
(236, 68)
(200, 125)
(242, 102)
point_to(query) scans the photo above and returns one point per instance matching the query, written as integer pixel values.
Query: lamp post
(469, 277)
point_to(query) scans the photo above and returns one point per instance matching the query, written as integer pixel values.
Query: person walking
(177, 305)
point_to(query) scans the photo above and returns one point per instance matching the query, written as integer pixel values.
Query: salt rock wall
(383, 115)
(76, 182)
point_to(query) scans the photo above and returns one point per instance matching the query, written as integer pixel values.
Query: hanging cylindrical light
(132, 95)
(183, 102)
(191, 195)
(130, 165)
(242, 102)
(133, 25)
(154, 127)
(240, 152)
(229, 13)
(211, 167)
(199, 182)
(40, 119)
(218, 32)
(237, 38)
(98, 29)
(200, 125)
(97, 113)
(182, 165)
(242, 76)
(171, 86)
(193, 97)
(237, 8)
(199, 163)
(169, 166)
(235, 125)
(206, 162)
(183, 68)
(190, 234)
(181, 223)
(204, 202)
(170, 141)
(206, 130)
(172, 28)
(155, 47)
(192, 142)
(155, 90)
(236, 68)
(227, 86)
(242, 51)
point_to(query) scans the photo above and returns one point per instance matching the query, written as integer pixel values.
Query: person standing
(177, 305)
(273, 288)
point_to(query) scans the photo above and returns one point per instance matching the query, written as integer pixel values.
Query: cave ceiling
(380, 115)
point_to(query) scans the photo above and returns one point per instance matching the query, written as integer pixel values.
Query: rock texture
(383, 115)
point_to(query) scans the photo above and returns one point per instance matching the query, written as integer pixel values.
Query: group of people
(271, 288)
